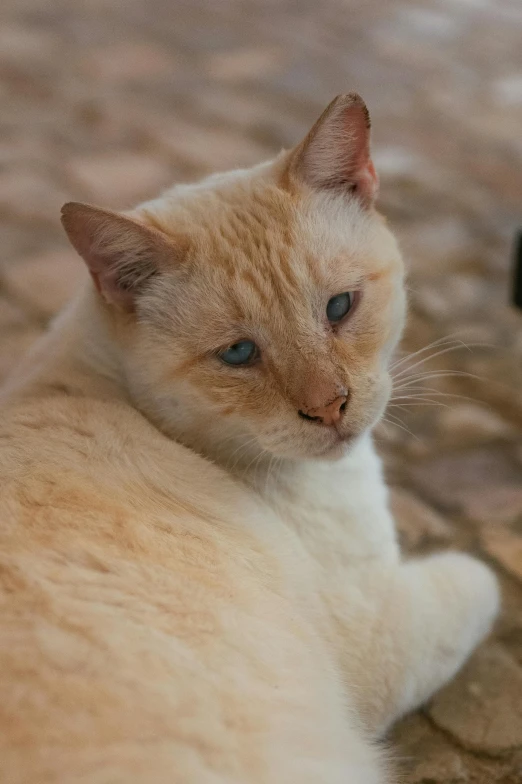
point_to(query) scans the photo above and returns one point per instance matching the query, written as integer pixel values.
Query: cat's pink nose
(328, 414)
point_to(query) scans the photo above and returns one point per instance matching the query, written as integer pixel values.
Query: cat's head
(259, 307)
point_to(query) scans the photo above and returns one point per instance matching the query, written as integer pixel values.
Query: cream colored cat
(199, 575)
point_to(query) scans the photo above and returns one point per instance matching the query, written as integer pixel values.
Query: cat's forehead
(255, 228)
(264, 261)
(234, 215)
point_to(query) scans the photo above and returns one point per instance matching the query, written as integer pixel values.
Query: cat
(200, 579)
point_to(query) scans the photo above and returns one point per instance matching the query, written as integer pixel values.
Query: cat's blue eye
(339, 306)
(242, 353)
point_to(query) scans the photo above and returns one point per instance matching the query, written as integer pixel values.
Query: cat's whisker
(398, 423)
(274, 470)
(232, 437)
(416, 396)
(417, 392)
(419, 403)
(273, 461)
(449, 340)
(242, 448)
(418, 388)
(416, 401)
(229, 438)
(422, 361)
(279, 467)
(426, 375)
(255, 460)
(240, 457)
(241, 445)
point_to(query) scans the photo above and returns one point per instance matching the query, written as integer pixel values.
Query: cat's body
(190, 592)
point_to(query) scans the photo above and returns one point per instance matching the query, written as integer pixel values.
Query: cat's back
(149, 629)
(62, 455)
(81, 475)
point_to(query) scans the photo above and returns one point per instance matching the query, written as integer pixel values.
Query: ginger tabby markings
(199, 575)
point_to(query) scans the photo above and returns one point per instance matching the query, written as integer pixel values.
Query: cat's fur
(197, 584)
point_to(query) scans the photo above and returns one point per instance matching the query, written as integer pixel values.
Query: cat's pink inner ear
(121, 253)
(335, 154)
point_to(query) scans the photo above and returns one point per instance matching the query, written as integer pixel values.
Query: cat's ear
(335, 155)
(121, 253)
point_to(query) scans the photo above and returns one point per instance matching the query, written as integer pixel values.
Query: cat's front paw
(472, 597)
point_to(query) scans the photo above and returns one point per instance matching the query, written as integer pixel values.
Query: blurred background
(109, 101)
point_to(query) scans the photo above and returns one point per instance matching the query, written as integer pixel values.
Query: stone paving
(109, 101)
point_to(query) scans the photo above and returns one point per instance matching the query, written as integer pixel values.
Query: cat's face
(260, 306)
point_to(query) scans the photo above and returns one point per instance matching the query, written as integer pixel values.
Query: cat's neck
(77, 356)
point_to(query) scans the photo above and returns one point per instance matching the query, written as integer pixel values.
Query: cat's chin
(337, 450)
(332, 452)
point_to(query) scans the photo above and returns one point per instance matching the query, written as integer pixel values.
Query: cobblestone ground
(111, 100)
